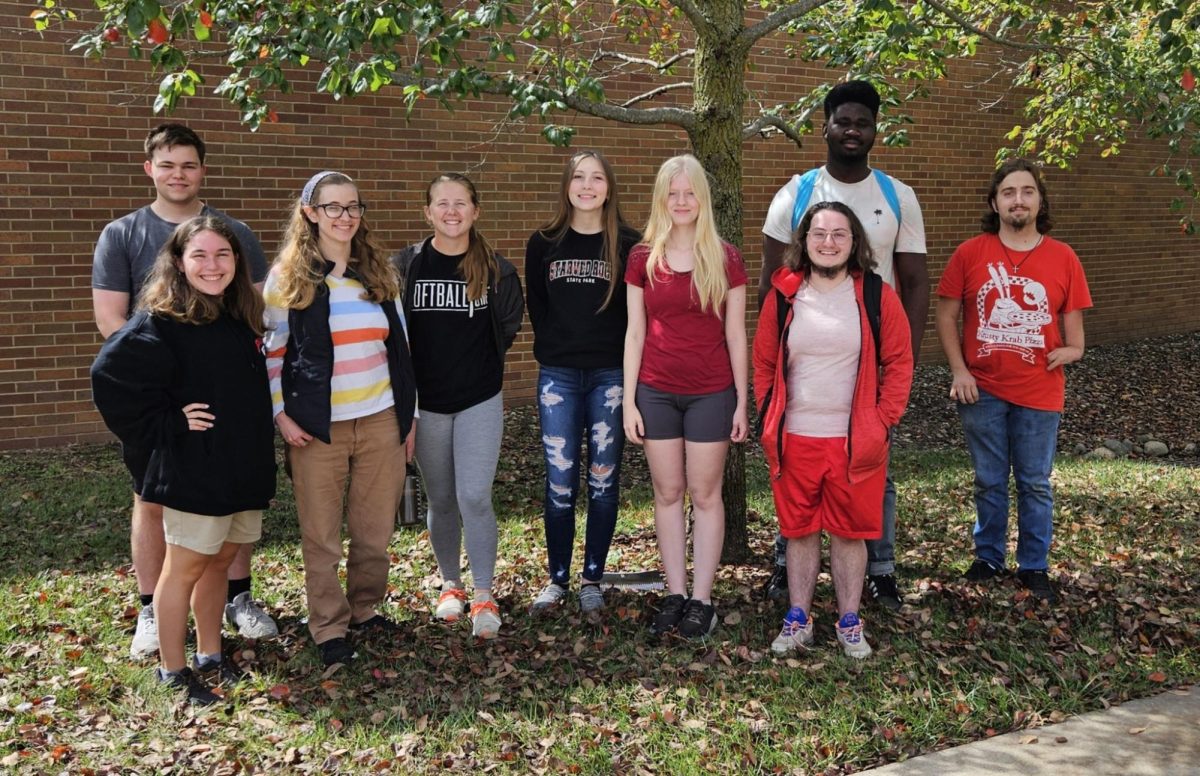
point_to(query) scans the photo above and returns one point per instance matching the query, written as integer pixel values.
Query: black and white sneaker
(336, 650)
(776, 587)
(192, 687)
(981, 571)
(223, 671)
(699, 620)
(883, 590)
(1039, 585)
(670, 612)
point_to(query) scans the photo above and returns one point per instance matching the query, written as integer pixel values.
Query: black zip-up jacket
(505, 300)
(144, 376)
(308, 365)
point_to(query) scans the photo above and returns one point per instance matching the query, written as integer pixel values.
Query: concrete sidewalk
(1157, 736)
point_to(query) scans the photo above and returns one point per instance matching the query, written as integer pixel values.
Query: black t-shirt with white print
(451, 338)
(566, 282)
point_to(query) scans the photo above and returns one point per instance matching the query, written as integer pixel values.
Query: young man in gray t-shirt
(124, 255)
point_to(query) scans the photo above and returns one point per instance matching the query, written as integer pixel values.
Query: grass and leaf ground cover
(561, 695)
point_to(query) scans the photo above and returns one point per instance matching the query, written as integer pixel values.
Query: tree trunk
(716, 139)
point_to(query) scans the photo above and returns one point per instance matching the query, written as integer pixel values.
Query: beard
(1018, 221)
(830, 272)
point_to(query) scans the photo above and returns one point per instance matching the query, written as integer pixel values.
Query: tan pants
(369, 453)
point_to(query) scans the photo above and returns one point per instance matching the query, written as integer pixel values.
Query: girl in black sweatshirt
(184, 386)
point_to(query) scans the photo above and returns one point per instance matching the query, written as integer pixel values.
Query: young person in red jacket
(828, 403)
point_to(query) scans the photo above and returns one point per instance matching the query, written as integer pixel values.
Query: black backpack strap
(781, 310)
(872, 296)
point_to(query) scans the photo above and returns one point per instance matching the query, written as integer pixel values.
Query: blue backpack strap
(889, 191)
(804, 190)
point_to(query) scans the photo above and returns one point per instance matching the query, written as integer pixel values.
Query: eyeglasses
(840, 236)
(335, 211)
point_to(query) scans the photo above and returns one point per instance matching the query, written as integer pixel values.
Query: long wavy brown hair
(300, 268)
(613, 223)
(479, 266)
(168, 293)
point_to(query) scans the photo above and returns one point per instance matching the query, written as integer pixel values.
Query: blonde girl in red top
(685, 380)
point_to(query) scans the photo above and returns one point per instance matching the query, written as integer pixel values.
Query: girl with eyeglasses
(464, 307)
(685, 381)
(574, 278)
(183, 385)
(345, 402)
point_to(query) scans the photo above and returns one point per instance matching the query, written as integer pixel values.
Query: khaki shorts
(205, 534)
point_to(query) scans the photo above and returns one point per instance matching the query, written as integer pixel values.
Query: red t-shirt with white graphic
(1012, 302)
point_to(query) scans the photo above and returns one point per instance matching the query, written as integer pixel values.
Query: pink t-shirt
(1011, 315)
(685, 350)
(824, 343)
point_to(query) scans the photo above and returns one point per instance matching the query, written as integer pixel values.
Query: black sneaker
(981, 571)
(882, 588)
(776, 588)
(375, 626)
(218, 671)
(194, 689)
(336, 650)
(699, 620)
(1039, 585)
(670, 612)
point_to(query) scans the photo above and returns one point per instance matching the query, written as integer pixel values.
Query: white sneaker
(793, 636)
(451, 604)
(248, 618)
(850, 636)
(145, 636)
(485, 619)
(550, 597)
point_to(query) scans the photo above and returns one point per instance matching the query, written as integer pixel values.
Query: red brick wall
(71, 161)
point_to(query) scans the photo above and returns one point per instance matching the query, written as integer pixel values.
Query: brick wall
(71, 161)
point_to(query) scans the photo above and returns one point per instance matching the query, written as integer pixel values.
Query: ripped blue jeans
(572, 402)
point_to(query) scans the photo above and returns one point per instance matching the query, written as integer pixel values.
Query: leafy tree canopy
(1092, 72)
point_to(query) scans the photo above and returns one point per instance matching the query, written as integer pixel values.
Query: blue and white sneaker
(850, 636)
(797, 632)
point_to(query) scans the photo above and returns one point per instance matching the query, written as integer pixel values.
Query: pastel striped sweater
(361, 385)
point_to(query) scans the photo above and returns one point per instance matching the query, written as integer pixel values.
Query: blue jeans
(1002, 436)
(571, 401)
(881, 552)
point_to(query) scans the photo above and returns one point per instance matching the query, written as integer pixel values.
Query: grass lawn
(558, 695)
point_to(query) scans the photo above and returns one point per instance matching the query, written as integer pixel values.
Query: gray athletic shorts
(705, 417)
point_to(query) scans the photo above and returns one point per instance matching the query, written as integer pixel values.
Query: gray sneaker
(591, 598)
(248, 618)
(145, 636)
(550, 597)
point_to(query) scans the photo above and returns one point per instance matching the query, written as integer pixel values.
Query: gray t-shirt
(127, 248)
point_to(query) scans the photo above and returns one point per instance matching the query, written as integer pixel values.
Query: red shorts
(814, 492)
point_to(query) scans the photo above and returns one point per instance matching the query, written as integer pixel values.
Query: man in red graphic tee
(1014, 286)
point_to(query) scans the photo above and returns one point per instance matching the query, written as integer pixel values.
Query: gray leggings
(457, 455)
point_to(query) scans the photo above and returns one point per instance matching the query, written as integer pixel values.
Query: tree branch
(663, 65)
(970, 26)
(789, 13)
(655, 92)
(693, 13)
(677, 116)
(762, 124)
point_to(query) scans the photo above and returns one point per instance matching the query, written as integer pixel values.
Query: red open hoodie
(880, 395)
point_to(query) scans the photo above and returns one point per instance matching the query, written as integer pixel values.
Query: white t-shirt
(866, 199)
